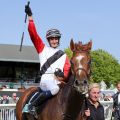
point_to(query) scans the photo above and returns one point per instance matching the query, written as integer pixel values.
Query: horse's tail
(21, 102)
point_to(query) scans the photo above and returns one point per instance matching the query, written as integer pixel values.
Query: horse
(67, 104)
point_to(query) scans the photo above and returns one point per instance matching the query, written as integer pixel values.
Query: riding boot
(40, 99)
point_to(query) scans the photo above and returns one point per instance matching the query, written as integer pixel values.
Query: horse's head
(80, 65)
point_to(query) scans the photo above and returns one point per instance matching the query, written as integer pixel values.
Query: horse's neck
(74, 105)
(66, 90)
(72, 100)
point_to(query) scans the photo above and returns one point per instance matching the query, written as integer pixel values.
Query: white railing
(7, 112)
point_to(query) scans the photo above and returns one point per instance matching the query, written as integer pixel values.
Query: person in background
(4, 86)
(11, 85)
(55, 73)
(116, 103)
(13, 99)
(5, 100)
(93, 110)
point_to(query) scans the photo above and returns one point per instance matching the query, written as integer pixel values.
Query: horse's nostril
(76, 82)
(85, 82)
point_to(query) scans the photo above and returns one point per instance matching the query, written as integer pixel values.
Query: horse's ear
(72, 45)
(90, 45)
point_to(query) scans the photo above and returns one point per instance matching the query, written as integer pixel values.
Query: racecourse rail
(7, 111)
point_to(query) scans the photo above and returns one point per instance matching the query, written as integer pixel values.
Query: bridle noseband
(87, 74)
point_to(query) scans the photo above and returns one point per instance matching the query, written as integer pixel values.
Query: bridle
(82, 69)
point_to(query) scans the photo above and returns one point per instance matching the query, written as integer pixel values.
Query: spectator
(93, 109)
(5, 100)
(116, 103)
(4, 87)
(14, 99)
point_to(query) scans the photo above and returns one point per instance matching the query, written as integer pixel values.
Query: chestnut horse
(67, 104)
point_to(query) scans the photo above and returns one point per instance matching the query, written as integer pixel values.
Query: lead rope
(86, 104)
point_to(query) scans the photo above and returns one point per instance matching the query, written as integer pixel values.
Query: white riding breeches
(51, 85)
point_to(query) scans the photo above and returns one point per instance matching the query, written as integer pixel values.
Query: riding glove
(28, 10)
(59, 73)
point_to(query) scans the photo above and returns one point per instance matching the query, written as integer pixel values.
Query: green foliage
(68, 52)
(104, 67)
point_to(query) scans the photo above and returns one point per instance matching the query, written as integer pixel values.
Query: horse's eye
(85, 82)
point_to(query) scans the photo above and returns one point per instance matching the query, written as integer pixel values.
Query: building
(16, 65)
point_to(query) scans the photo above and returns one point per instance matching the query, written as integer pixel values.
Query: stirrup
(25, 109)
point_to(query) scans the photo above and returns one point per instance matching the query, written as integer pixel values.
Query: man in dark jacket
(5, 100)
(116, 103)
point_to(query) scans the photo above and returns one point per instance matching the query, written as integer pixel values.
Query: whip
(23, 30)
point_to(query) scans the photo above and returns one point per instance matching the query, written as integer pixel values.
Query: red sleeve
(67, 66)
(37, 41)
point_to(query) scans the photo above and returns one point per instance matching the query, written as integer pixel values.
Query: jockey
(57, 72)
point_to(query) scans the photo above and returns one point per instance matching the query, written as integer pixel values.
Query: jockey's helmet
(53, 33)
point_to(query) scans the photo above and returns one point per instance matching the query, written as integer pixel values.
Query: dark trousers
(116, 114)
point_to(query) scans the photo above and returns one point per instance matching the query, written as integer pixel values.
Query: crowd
(5, 99)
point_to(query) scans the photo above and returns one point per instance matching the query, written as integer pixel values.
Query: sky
(82, 20)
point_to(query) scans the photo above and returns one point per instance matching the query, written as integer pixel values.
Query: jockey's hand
(28, 10)
(61, 79)
(58, 73)
(113, 110)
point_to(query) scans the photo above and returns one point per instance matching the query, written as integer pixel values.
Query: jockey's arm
(37, 41)
(66, 69)
(61, 79)
(63, 76)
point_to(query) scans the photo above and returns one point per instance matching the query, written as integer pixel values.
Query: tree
(68, 52)
(104, 67)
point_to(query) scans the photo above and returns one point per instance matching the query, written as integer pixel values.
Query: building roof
(13, 54)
